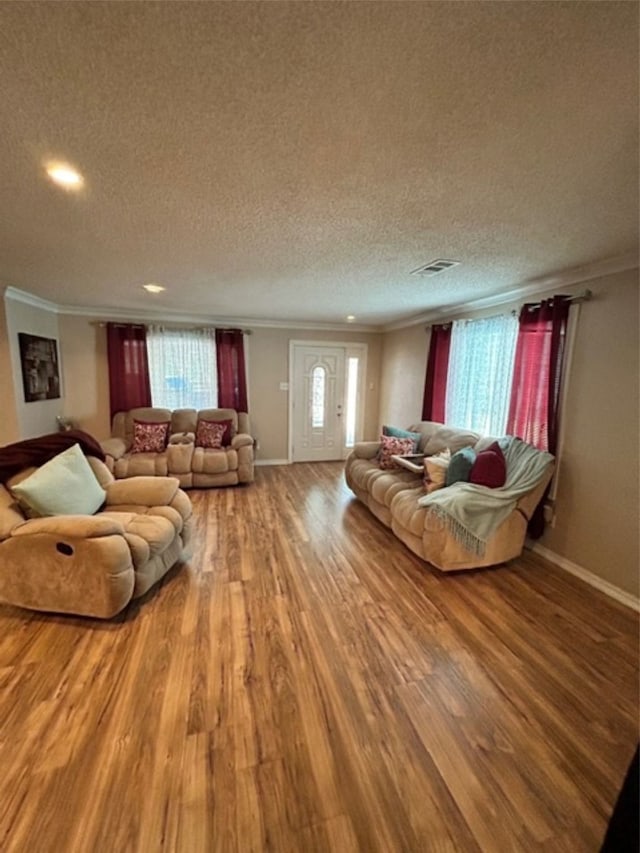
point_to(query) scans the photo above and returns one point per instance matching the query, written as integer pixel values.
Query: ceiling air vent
(434, 267)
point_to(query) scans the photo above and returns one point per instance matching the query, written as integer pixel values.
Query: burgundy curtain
(129, 385)
(435, 382)
(232, 383)
(535, 391)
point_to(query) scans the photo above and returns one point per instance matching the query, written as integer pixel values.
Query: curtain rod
(102, 323)
(585, 296)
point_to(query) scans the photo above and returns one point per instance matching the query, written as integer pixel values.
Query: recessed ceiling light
(350, 318)
(154, 288)
(65, 176)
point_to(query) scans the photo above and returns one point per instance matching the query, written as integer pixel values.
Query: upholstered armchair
(93, 565)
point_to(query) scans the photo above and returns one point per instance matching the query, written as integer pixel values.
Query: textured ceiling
(296, 161)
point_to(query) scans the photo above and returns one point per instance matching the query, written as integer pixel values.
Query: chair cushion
(210, 461)
(65, 485)
(450, 437)
(147, 535)
(141, 465)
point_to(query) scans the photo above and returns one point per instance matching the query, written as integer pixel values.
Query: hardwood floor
(306, 684)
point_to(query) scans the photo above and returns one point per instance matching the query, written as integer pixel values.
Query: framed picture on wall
(39, 361)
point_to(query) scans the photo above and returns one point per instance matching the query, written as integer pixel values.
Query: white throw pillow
(435, 471)
(65, 485)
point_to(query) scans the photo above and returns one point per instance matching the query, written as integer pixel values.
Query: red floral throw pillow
(490, 468)
(149, 437)
(210, 434)
(390, 446)
(227, 435)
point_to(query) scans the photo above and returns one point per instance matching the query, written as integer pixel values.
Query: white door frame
(362, 350)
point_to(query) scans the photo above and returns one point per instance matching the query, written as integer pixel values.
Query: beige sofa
(93, 565)
(194, 467)
(393, 497)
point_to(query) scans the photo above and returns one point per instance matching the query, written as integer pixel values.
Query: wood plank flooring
(305, 683)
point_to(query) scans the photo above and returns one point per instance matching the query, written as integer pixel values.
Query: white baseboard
(260, 462)
(588, 577)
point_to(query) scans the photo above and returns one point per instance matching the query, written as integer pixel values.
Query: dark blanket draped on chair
(37, 451)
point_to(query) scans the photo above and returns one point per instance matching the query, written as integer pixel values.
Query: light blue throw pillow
(460, 466)
(396, 432)
(65, 485)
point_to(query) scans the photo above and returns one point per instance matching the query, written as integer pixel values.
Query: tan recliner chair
(93, 565)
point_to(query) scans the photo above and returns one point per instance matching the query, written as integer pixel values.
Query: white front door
(318, 400)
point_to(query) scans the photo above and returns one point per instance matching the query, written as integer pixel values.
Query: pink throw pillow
(391, 446)
(149, 437)
(490, 468)
(210, 434)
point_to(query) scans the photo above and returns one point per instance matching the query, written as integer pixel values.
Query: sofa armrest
(70, 526)
(183, 438)
(241, 439)
(142, 491)
(114, 447)
(366, 449)
(10, 514)
(527, 503)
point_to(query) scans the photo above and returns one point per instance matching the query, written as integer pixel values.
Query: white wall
(9, 430)
(86, 373)
(39, 416)
(269, 366)
(404, 364)
(598, 507)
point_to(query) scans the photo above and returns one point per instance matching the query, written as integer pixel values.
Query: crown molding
(565, 278)
(105, 314)
(136, 315)
(30, 299)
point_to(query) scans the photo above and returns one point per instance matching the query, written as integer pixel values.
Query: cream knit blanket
(473, 513)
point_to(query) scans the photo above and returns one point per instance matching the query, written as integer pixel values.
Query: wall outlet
(284, 386)
(549, 514)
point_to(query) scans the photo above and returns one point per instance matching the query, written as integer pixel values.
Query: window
(182, 368)
(317, 397)
(353, 366)
(480, 373)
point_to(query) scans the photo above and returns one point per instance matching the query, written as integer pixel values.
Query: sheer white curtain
(480, 371)
(182, 367)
